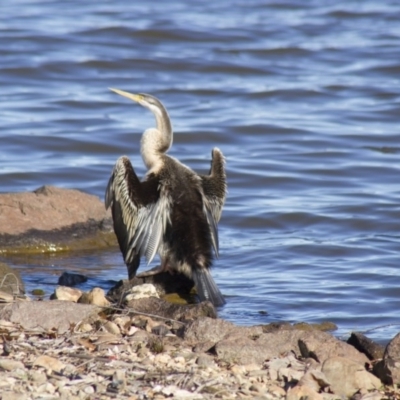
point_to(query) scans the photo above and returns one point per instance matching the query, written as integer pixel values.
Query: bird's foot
(151, 272)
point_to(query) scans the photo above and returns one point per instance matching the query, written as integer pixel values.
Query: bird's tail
(206, 287)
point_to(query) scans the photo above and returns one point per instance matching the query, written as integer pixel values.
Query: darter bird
(172, 212)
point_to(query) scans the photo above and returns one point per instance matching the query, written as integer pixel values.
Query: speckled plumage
(173, 212)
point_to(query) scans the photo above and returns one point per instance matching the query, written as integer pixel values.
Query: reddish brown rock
(52, 218)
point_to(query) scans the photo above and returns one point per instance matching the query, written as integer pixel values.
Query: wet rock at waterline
(71, 279)
(372, 350)
(51, 219)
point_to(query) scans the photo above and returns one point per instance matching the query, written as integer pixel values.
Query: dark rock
(71, 279)
(10, 280)
(164, 283)
(56, 315)
(158, 307)
(51, 219)
(372, 350)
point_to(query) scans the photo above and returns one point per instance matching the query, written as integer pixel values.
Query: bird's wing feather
(139, 212)
(214, 189)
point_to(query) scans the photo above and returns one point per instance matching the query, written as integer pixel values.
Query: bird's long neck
(165, 128)
(157, 141)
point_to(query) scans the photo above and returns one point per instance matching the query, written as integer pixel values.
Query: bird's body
(173, 212)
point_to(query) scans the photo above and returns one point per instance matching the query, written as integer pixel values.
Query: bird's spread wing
(214, 189)
(139, 213)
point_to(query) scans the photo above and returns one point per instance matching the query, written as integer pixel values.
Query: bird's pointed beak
(132, 96)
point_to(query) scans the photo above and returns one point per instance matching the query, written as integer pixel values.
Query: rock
(48, 315)
(164, 283)
(15, 396)
(346, 377)
(176, 393)
(10, 365)
(206, 361)
(141, 292)
(6, 297)
(322, 345)
(160, 330)
(39, 377)
(96, 297)
(119, 379)
(243, 349)
(50, 363)
(112, 327)
(205, 332)
(301, 392)
(323, 326)
(10, 279)
(71, 279)
(315, 380)
(372, 396)
(162, 308)
(51, 219)
(372, 350)
(388, 370)
(244, 344)
(66, 293)
(205, 329)
(261, 345)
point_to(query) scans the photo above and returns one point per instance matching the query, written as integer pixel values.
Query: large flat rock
(48, 315)
(52, 219)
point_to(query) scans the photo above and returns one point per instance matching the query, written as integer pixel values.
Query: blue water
(302, 97)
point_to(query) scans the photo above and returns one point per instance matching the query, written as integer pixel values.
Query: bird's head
(145, 100)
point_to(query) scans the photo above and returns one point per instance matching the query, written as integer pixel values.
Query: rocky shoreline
(59, 349)
(133, 344)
